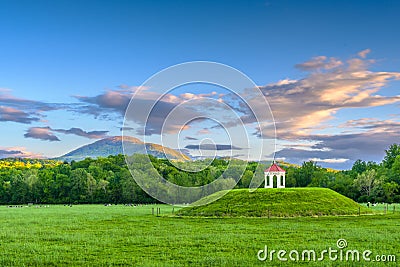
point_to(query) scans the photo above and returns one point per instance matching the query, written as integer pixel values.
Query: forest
(108, 180)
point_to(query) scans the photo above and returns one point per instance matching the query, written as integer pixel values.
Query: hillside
(113, 146)
(286, 202)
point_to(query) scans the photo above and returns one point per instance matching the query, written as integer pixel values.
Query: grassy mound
(273, 202)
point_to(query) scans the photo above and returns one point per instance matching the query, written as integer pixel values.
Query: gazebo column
(268, 180)
(281, 181)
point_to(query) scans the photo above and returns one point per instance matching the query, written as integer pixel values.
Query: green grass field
(95, 235)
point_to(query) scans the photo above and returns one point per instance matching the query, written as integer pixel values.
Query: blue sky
(58, 58)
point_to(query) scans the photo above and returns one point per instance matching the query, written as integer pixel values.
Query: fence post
(394, 208)
(385, 209)
(152, 211)
(173, 209)
(359, 211)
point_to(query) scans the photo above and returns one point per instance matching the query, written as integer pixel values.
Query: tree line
(364, 182)
(108, 180)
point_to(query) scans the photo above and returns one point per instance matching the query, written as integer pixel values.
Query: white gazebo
(272, 171)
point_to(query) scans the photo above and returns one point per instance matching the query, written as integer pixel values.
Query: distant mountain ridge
(113, 146)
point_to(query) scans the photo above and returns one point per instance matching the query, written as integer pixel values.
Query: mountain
(113, 146)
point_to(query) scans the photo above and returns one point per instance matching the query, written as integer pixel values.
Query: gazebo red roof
(274, 168)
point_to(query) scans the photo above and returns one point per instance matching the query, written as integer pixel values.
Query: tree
(19, 190)
(319, 178)
(61, 188)
(395, 171)
(391, 154)
(291, 176)
(390, 190)
(366, 181)
(31, 179)
(343, 183)
(46, 179)
(359, 166)
(6, 192)
(102, 186)
(79, 187)
(91, 186)
(234, 171)
(128, 186)
(306, 173)
(246, 178)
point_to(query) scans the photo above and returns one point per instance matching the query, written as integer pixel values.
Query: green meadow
(118, 235)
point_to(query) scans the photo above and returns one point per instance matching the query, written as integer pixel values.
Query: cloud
(15, 115)
(364, 53)
(25, 111)
(125, 128)
(204, 131)
(17, 152)
(320, 62)
(113, 100)
(372, 124)
(190, 138)
(47, 133)
(41, 133)
(303, 106)
(328, 160)
(80, 132)
(9, 152)
(116, 101)
(7, 99)
(369, 146)
(212, 147)
(166, 117)
(175, 108)
(191, 96)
